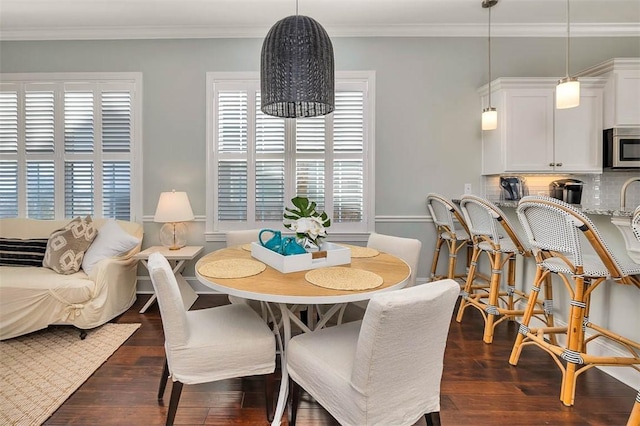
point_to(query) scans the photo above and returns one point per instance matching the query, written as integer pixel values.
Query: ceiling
(124, 19)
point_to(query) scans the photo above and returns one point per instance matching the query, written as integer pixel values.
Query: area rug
(39, 371)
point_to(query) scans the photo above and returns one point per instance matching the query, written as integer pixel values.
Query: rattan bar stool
(557, 231)
(493, 235)
(452, 231)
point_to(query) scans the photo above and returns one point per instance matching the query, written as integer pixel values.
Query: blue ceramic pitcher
(290, 246)
(274, 243)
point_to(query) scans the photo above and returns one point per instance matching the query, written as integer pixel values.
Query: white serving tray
(332, 255)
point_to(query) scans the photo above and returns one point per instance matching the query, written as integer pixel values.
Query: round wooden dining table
(292, 289)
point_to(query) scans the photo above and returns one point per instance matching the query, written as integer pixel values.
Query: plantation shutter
(232, 155)
(269, 166)
(67, 148)
(310, 159)
(117, 128)
(348, 165)
(8, 145)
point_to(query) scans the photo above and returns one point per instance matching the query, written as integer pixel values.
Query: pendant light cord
(489, 42)
(568, 38)
(296, 7)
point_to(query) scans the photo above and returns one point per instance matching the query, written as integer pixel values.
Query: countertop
(597, 210)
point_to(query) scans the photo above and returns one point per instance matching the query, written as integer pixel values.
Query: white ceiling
(120, 19)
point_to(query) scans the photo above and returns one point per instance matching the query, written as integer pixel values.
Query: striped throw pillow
(19, 252)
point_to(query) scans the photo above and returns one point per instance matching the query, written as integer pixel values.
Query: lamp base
(173, 235)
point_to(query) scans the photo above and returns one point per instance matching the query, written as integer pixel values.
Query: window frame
(59, 157)
(358, 232)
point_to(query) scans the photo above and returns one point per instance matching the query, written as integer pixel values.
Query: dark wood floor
(479, 387)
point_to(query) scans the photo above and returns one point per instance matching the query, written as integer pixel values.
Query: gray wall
(427, 108)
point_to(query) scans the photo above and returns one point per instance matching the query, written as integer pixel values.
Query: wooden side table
(177, 259)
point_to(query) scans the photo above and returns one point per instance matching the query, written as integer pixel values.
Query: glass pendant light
(568, 89)
(489, 114)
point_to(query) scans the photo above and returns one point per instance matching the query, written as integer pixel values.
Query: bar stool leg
(511, 284)
(469, 284)
(494, 291)
(453, 253)
(436, 256)
(548, 308)
(575, 339)
(634, 418)
(528, 313)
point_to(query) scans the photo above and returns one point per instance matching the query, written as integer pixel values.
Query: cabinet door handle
(559, 164)
(551, 164)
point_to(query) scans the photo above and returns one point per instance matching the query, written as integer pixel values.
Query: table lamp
(173, 209)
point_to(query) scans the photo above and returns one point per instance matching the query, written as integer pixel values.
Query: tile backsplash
(601, 190)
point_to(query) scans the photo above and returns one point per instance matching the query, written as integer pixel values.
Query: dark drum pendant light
(296, 69)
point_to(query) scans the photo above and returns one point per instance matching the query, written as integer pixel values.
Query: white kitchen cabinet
(621, 92)
(534, 137)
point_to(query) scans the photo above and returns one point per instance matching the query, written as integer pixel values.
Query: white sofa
(32, 298)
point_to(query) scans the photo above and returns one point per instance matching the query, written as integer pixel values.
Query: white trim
(610, 65)
(378, 219)
(404, 219)
(630, 29)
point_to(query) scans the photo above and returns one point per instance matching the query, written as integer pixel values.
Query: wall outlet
(467, 188)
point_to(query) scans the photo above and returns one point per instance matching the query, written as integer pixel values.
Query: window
(259, 162)
(70, 145)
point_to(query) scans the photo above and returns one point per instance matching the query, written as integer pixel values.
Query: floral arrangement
(308, 224)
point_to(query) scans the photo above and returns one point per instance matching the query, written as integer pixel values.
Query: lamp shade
(489, 119)
(173, 207)
(297, 70)
(568, 93)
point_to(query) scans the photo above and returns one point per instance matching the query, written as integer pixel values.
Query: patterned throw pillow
(19, 252)
(66, 246)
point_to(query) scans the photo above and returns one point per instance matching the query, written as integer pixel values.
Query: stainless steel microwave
(621, 148)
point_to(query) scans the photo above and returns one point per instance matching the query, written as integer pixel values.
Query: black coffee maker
(567, 190)
(513, 188)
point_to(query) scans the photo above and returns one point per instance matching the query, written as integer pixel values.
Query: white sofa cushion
(111, 241)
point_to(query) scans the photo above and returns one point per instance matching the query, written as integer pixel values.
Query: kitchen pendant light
(296, 69)
(489, 114)
(568, 89)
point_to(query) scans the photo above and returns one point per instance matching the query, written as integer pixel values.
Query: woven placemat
(359, 251)
(246, 247)
(342, 278)
(231, 268)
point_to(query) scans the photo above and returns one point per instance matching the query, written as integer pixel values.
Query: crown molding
(537, 83)
(615, 64)
(426, 30)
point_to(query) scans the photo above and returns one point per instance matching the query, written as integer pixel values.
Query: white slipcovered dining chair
(211, 344)
(407, 249)
(383, 370)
